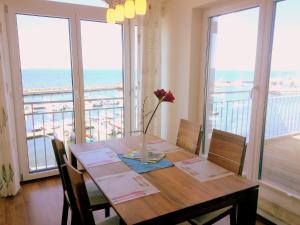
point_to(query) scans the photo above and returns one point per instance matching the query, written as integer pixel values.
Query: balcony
(281, 167)
(281, 156)
(234, 115)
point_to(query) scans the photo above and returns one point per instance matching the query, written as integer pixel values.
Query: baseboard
(40, 179)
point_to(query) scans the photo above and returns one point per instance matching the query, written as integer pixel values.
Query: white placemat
(125, 186)
(98, 157)
(202, 169)
(162, 146)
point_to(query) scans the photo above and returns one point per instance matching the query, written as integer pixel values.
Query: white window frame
(260, 92)
(74, 13)
(261, 78)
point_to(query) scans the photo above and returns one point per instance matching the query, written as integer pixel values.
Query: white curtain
(150, 59)
(9, 166)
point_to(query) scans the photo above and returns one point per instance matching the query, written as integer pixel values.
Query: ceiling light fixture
(120, 9)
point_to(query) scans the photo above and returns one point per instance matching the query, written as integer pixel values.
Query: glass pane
(281, 155)
(102, 52)
(47, 86)
(233, 39)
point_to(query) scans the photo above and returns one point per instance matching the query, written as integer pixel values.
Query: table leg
(122, 222)
(73, 160)
(246, 211)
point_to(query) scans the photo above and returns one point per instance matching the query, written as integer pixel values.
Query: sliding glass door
(231, 72)
(70, 79)
(280, 166)
(253, 89)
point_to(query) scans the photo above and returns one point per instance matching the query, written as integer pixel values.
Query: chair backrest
(227, 150)
(189, 136)
(59, 152)
(78, 196)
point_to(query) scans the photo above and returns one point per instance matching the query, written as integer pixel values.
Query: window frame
(74, 13)
(262, 64)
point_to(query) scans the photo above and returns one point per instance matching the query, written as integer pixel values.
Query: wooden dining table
(180, 196)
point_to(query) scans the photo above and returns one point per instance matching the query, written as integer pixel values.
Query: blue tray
(141, 167)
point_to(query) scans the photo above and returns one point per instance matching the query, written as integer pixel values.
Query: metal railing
(283, 116)
(44, 120)
(104, 120)
(103, 123)
(232, 116)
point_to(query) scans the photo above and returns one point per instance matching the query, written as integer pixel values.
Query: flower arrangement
(162, 96)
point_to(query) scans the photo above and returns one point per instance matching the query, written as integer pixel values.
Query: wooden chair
(97, 199)
(228, 151)
(189, 136)
(79, 200)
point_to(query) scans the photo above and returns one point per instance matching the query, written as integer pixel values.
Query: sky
(235, 46)
(286, 44)
(236, 38)
(45, 43)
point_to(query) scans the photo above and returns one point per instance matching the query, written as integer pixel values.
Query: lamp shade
(129, 9)
(110, 16)
(140, 7)
(119, 12)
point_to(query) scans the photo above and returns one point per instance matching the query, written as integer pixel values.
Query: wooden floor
(281, 163)
(40, 203)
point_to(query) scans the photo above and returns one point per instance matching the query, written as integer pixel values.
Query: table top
(178, 191)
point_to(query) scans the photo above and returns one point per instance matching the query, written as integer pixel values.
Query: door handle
(254, 88)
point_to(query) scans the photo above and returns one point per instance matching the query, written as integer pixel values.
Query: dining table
(180, 197)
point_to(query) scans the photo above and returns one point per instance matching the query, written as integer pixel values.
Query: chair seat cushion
(209, 216)
(96, 197)
(115, 220)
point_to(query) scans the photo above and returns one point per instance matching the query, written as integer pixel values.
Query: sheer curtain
(9, 166)
(150, 59)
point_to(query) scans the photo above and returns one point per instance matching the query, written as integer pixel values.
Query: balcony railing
(103, 123)
(232, 116)
(283, 116)
(103, 119)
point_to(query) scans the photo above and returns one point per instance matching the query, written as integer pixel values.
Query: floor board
(281, 166)
(40, 203)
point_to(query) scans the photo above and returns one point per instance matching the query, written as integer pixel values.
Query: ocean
(61, 78)
(54, 78)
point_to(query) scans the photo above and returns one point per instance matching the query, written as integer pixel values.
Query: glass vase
(144, 150)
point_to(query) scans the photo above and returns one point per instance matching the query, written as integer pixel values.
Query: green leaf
(11, 173)
(4, 176)
(1, 184)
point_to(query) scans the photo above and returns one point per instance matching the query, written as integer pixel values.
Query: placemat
(133, 186)
(97, 157)
(141, 167)
(202, 169)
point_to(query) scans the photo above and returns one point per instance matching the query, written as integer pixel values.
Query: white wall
(181, 60)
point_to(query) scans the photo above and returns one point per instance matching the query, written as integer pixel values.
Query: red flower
(162, 96)
(160, 93)
(169, 97)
